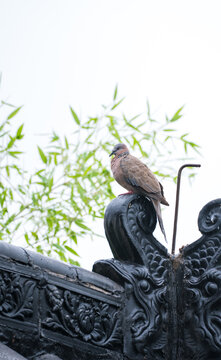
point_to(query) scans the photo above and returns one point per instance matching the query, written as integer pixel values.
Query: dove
(137, 178)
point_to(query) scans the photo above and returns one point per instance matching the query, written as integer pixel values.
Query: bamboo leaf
(183, 136)
(75, 116)
(177, 114)
(50, 183)
(11, 142)
(27, 238)
(72, 262)
(42, 155)
(71, 250)
(14, 153)
(13, 113)
(81, 225)
(7, 170)
(59, 247)
(19, 132)
(7, 104)
(115, 92)
(66, 143)
(117, 104)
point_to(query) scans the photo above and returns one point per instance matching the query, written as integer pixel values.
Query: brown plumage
(136, 177)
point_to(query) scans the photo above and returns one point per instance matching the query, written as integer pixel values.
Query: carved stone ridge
(173, 303)
(52, 310)
(144, 304)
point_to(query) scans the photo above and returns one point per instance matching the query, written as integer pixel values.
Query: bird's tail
(156, 205)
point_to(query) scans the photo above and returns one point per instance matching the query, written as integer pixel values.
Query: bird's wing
(139, 175)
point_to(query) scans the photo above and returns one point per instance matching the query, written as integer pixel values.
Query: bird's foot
(129, 192)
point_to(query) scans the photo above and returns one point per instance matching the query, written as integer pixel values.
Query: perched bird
(136, 177)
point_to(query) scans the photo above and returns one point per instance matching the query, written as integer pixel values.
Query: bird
(136, 177)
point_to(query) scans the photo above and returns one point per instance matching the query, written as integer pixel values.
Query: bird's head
(119, 149)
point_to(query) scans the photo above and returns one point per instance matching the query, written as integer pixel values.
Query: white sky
(56, 53)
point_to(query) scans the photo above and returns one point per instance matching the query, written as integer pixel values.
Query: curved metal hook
(177, 203)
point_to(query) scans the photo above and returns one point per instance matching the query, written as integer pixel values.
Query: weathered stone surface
(143, 304)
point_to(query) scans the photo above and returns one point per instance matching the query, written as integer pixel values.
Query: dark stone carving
(202, 287)
(129, 222)
(70, 315)
(82, 317)
(173, 303)
(16, 296)
(146, 311)
(144, 304)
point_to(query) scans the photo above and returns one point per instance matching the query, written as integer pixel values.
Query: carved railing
(143, 304)
(47, 307)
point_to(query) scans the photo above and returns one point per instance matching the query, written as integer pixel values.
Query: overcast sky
(56, 53)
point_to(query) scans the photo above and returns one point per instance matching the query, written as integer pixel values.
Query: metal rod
(177, 203)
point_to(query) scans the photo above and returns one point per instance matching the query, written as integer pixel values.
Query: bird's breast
(118, 173)
(116, 168)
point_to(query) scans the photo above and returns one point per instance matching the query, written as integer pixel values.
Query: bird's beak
(112, 153)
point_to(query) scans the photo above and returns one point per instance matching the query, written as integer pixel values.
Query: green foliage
(52, 208)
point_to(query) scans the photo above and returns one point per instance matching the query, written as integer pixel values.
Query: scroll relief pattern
(203, 285)
(16, 296)
(82, 317)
